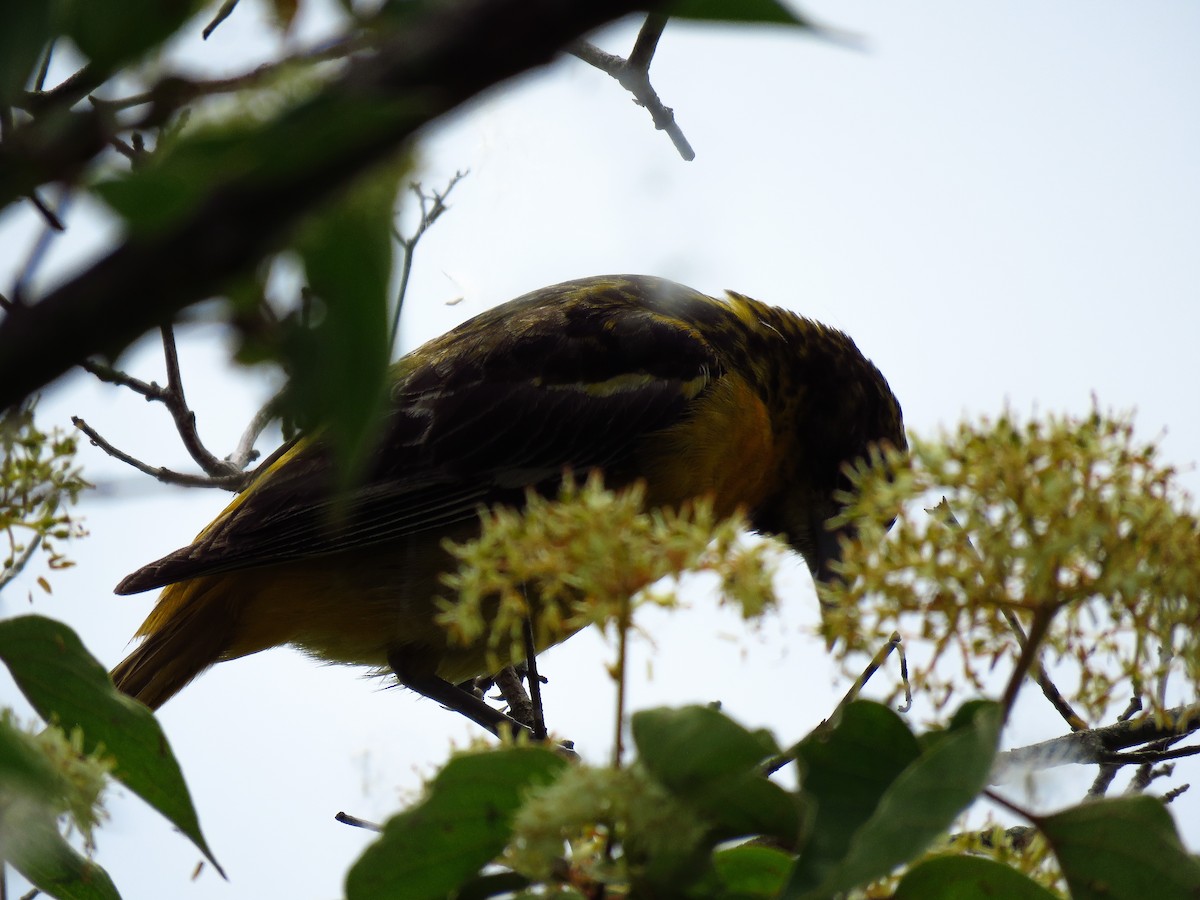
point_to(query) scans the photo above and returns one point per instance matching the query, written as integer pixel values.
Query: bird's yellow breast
(726, 449)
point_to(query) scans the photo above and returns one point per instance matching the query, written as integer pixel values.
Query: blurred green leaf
(462, 824)
(197, 163)
(968, 878)
(25, 30)
(846, 770)
(491, 885)
(21, 765)
(766, 12)
(751, 870)
(711, 763)
(67, 686)
(339, 367)
(915, 808)
(33, 846)
(1125, 848)
(111, 32)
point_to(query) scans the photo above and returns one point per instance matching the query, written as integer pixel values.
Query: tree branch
(223, 473)
(1099, 744)
(438, 61)
(167, 476)
(634, 75)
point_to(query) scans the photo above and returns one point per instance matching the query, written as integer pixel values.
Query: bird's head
(830, 406)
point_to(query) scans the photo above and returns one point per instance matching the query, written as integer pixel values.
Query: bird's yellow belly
(357, 609)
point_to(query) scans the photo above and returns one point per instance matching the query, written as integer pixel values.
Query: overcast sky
(999, 201)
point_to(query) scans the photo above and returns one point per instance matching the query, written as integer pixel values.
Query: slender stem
(1042, 617)
(432, 207)
(642, 53)
(775, 763)
(622, 650)
(1011, 807)
(168, 476)
(44, 68)
(222, 14)
(18, 564)
(534, 681)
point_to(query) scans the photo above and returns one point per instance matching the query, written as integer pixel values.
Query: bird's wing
(575, 379)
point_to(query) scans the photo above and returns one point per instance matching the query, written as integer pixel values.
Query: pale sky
(1000, 202)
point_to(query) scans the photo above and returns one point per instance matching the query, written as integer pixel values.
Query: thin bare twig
(1175, 792)
(52, 219)
(775, 763)
(432, 207)
(222, 14)
(44, 66)
(18, 564)
(147, 389)
(624, 623)
(244, 453)
(1146, 757)
(165, 475)
(52, 229)
(1010, 806)
(347, 819)
(224, 473)
(907, 705)
(1030, 650)
(185, 420)
(65, 94)
(633, 74)
(1103, 780)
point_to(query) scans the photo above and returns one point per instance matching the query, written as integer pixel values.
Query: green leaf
(920, 804)
(31, 795)
(752, 870)
(1125, 848)
(67, 686)
(491, 885)
(110, 32)
(968, 878)
(35, 849)
(764, 12)
(463, 822)
(339, 367)
(24, 31)
(711, 763)
(179, 178)
(846, 770)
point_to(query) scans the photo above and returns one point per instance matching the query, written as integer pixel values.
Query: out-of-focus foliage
(39, 482)
(45, 776)
(74, 778)
(93, 732)
(1074, 521)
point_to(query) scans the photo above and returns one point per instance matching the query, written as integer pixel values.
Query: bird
(637, 377)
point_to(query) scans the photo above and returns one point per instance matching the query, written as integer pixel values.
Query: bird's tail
(188, 630)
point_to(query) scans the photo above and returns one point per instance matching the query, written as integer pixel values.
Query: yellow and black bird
(639, 377)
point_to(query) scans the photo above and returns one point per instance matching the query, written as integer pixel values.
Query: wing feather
(575, 376)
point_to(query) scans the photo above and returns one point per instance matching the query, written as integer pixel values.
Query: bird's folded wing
(478, 418)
